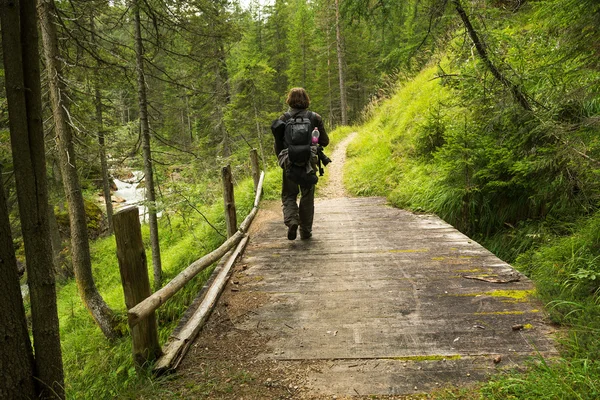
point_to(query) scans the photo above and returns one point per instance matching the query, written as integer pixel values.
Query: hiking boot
(305, 235)
(292, 231)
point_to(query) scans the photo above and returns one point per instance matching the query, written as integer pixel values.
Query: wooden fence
(142, 304)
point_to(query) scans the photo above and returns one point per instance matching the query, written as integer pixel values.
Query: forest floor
(374, 306)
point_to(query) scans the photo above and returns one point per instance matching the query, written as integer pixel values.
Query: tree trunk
(103, 161)
(329, 85)
(16, 354)
(304, 47)
(222, 98)
(80, 249)
(340, 57)
(102, 150)
(259, 132)
(23, 92)
(189, 120)
(481, 50)
(54, 238)
(147, 153)
(281, 38)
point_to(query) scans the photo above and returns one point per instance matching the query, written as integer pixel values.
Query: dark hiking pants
(292, 213)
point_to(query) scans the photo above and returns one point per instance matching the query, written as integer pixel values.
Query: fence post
(136, 285)
(255, 167)
(229, 200)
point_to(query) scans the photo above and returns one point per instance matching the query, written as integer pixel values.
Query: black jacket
(278, 127)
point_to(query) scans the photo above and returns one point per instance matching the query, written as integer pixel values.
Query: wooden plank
(259, 187)
(351, 378)
(246, 223)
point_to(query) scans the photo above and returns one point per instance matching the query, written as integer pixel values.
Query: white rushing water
(134, 196)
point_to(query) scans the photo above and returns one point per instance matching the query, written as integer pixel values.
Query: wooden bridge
(380, 301)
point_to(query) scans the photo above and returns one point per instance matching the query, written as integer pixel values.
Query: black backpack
(297, 139)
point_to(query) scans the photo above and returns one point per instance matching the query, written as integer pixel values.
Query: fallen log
(259, 188)
(246, 223)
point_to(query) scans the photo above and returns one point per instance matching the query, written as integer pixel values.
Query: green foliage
(302, 55)
(448, 139)
(567, 271)
(431, 134)
(377, 159)
(250, 110)
(94, 218)
(562, 379)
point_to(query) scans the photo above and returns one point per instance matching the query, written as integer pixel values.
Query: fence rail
(142, 305)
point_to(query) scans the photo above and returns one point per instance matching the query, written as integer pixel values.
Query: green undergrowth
(452, 141)
(98, 369)
(575, 378)
(376, 159)
(337, 135)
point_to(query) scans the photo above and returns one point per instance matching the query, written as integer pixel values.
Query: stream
(128, 190)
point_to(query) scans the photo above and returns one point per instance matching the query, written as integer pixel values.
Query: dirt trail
(335, 170)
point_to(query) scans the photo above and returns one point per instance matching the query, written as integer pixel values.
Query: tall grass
(379, 161)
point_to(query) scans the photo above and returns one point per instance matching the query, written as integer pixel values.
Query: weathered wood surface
(386, 298)
(151, 303)
(136, 284)
(229, 201)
